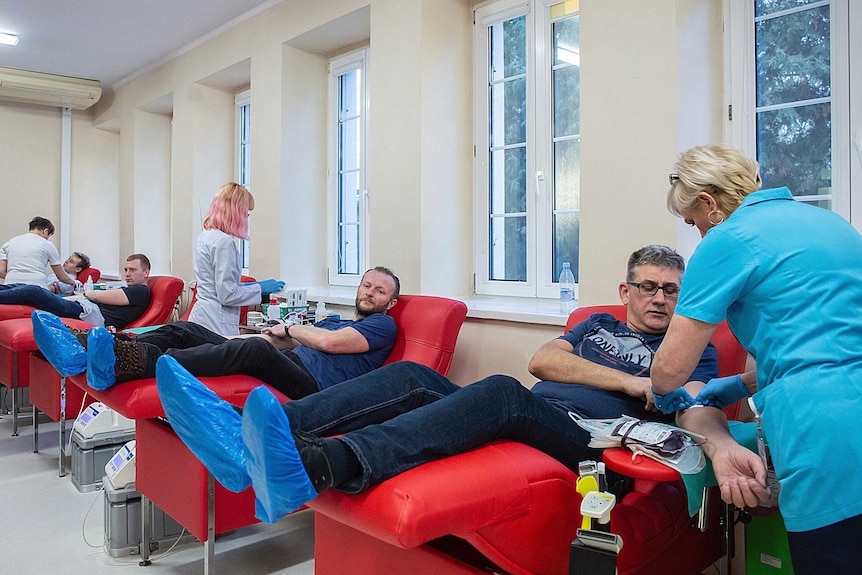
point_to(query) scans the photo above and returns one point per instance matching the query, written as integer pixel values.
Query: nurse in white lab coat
(218, 267)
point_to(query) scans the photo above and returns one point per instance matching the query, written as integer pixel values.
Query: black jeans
(829, 550)
(205, 354)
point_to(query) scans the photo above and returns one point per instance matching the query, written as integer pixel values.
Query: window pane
(348, 209)
(508, 48)
(348, 249)
(508, 259)
(794, 148)
(566, 242)
(763, 7)
(508, 151)
(350, 92)
(509, 181)
(565, 222)
(509, 112)
(349, 148)
(567, 101)
(349, 170)
(792, 57)
(567, 175)
(244, 111)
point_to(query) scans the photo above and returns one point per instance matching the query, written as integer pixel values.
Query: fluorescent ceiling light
(10, 39)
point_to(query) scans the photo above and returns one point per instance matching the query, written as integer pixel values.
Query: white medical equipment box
(89, 456)
(99, 419)
(123, 523)
(97, 434)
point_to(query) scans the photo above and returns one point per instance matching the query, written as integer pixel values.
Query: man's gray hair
(657, 255)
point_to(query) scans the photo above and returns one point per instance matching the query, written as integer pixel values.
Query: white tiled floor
(46, 523)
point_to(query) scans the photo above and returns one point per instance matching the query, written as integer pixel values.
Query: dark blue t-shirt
(329, 369)
(607, 341)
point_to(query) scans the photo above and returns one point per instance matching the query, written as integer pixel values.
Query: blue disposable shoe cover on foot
(100, 358)
(59, 346)
(281, 484)
(207, 424)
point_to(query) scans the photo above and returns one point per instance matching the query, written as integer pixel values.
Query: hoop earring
(709, 217)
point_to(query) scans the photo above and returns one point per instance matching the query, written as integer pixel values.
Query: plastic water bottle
(89, 285)
(567, 289)
(272, 312)
(320, 312)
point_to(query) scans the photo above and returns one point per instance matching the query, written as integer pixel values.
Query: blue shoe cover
(100, 358)
(281, 485)
(207, 424)
(57, 344)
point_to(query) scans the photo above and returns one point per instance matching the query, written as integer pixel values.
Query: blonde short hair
(723, 171)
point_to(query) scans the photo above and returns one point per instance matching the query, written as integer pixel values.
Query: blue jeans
(40, 298)
(404, 414)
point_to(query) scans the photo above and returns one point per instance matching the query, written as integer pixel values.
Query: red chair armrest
(620, 460)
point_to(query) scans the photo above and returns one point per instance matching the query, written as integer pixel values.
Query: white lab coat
(217, 268)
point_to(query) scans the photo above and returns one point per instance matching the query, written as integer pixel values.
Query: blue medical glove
(676, 400)
(270, 286)
(722, 391)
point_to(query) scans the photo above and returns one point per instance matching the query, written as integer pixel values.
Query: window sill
(521, 310)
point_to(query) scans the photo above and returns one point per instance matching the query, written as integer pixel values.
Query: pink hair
(229, 210)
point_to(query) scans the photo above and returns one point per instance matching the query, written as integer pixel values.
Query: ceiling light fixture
(10, 39)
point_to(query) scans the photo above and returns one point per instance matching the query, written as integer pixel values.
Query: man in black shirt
(117, 308)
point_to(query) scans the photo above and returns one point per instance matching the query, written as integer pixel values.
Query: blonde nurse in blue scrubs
(787, 277)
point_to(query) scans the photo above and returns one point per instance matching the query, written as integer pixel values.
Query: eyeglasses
(672, 178)
(651, 288)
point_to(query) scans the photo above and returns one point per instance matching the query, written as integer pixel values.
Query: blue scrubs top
(788, 278)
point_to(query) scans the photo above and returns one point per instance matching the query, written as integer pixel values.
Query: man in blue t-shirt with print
(295, 359)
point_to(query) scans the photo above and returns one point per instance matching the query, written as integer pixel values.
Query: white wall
(30, 167)
(94, 203)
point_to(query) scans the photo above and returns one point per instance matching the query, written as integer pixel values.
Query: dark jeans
(404, 414)
(40, 298)
(830, 549)
(205, 354)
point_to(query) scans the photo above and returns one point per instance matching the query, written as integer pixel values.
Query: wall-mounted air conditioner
(48, 89)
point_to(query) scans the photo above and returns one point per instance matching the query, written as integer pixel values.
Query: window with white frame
(243, 125)
(527, 152)
(788, 75)
(348, 89)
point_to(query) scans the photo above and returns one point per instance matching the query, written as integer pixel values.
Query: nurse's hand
(270, 286)
(676, 400)
(722, 391)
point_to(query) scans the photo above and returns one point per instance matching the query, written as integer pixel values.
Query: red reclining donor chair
(172, 478)
(15, 366)
(48, 392)
(506, 507)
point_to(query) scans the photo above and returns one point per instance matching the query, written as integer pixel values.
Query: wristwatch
(287, 327)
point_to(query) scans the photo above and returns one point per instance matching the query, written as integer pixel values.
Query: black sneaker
(314, 459)
(131, 359)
